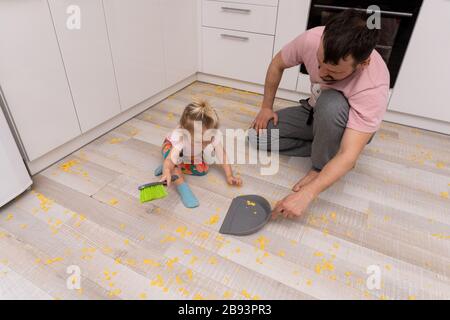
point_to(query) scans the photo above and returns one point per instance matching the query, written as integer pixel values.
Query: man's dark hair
(347, 34)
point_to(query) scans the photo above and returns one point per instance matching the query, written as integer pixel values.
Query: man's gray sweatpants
(320, 137)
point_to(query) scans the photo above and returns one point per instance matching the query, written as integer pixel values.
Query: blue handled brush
(154, 190)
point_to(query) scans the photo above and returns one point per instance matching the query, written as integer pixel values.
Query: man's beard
(328, 80)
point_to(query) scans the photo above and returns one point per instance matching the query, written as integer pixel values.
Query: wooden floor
(392, 211)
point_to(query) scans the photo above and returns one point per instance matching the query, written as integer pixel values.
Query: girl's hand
(167, 174)
(234, 181)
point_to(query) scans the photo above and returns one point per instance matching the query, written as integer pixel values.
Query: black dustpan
(246, 215)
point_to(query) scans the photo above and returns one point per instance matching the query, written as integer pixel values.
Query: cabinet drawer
(238, 55)
(270, 3)
(241, 17)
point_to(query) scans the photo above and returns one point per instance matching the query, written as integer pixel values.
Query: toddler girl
(185, 148)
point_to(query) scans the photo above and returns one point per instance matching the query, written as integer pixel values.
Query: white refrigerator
(14, 177)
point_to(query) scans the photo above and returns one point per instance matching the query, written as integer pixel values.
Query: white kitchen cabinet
(422, 87)
(238, 55)
(87, 59)
(33, 79)
(180, 31)
(136, 38)
(292, 21)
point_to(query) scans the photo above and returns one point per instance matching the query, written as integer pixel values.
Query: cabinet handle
(237, 10)
(339, 8)
(230, 36)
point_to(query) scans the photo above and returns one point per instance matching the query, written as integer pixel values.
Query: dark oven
(397, 24)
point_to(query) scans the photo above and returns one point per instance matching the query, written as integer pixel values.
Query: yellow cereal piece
(184, 292)
(53, 260)
(80, 219)
(115, 292)
(143, 296)
(67, 166)
(281, 253)
(212, 260)
(250, 203)
(318, 254)
(309, 282)
(411, 297)
(182, 231)
(113, 202)
(178, 280)
(168, 238)
(333, 216)
(171, 262)
(213, 219)
(152, 263)
(204, 235)
(189, 274)
(227, 294)
(115, 140)
(198, 296)
(444, 195)
(262, 242)
(318, 269)
(158, 282)
(440, 165)
(9, 217)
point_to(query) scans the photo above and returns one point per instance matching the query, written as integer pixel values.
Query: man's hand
(273, 78)
(294, 205)
(263, 118)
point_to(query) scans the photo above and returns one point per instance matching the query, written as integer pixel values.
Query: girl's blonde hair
(199, 110)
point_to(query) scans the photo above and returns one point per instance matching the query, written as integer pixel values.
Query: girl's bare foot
(305, 180)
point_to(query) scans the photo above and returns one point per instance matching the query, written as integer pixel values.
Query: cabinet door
(291, 22)
(32, 77)
(136, 37)
(180, 29)
(87, 59)
(422, 88)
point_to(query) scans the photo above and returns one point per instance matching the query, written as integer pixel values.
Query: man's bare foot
(305, 180)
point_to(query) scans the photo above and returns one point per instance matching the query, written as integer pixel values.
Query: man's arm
(351, 147)
(273, 78)
(352, 144)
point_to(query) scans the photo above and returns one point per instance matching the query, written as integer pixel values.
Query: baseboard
(247, 86)
(59, 153)
(418, 122)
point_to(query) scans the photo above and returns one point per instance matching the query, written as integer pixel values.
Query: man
(350, 90)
